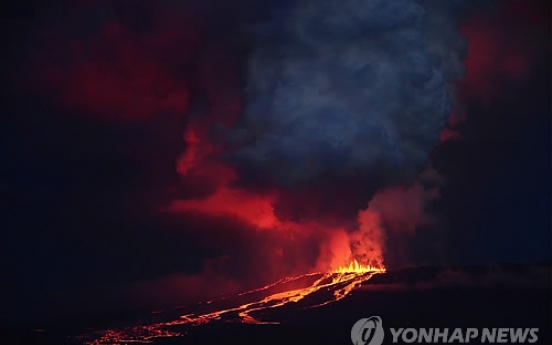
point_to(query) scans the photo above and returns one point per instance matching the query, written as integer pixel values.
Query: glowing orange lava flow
(340, 282)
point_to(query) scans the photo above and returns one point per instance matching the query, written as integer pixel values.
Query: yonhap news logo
(370, 331)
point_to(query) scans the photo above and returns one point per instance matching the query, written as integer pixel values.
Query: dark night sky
(79, 193)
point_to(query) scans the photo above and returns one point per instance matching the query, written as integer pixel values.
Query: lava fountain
(332, 286)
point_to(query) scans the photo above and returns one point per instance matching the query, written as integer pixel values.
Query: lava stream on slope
(313, 289)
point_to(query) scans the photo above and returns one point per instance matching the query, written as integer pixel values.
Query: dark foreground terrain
(508, 296)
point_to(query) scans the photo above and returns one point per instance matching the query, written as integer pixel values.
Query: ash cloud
(348, 90)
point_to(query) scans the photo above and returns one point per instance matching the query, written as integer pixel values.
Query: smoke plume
(342, 103)
(348, 90)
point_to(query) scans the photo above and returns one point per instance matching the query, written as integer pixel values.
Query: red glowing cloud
(119, 75)
(502, 47)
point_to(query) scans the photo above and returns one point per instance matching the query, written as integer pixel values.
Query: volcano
(322, 308)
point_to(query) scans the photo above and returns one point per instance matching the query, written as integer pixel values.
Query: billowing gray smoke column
(349, 89)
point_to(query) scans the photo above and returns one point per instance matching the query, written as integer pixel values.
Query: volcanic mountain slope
(321, 308)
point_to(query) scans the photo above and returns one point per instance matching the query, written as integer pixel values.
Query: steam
(348, 90)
